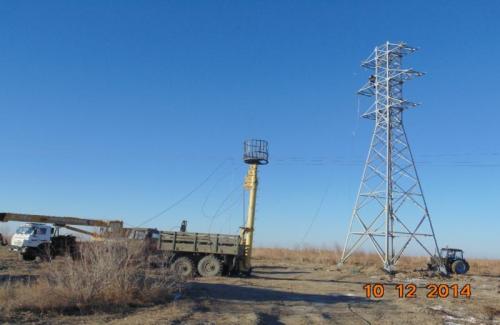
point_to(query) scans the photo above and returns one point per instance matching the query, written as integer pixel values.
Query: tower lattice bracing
(390, 210)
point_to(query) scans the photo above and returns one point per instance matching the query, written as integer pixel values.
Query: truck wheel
(209, 266)
(29, 255)
(459, 267)
(44, 252)
(183, 266)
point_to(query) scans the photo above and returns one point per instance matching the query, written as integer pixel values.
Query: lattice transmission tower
(390, 208)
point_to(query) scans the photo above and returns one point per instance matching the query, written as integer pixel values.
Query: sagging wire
(179, 201)
(318, 209)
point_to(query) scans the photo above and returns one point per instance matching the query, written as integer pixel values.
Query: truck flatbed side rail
(193, 242)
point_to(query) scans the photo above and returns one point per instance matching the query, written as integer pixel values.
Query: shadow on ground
(264, 277)
(240, 293)
(283, 272)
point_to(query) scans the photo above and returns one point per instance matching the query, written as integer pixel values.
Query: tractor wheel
(210, 266)
(459, 267)
(183, 266)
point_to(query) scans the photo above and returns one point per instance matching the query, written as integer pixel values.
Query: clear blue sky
(117, 109)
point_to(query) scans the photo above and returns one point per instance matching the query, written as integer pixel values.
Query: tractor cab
(452, 259)
(452, 253)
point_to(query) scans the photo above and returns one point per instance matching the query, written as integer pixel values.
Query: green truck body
(200, 243)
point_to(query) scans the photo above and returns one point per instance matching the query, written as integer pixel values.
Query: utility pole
(390, 208)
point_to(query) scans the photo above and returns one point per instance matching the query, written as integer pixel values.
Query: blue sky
(117, 109)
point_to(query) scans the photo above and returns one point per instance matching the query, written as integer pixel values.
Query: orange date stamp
(433, 290)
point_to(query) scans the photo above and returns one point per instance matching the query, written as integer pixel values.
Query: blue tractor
(452, 259)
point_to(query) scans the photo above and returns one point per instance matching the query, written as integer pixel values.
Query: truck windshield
(24, 230)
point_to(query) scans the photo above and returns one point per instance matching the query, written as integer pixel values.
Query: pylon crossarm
(367, 90)
(405, 74)
(370, 112)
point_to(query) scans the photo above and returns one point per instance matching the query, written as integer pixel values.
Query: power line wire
(318, 210)
(221, 205)
(197, 187)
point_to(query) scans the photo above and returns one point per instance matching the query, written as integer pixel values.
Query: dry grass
(313, 255)
(109, 276)
(331, 256)
(485, 267)
(309, 255)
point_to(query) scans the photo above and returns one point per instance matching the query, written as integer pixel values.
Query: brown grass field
(288, 286)
(330, 257)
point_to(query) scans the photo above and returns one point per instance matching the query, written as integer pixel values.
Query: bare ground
(290, 293)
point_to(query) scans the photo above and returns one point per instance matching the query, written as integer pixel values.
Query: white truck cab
(31, 235)
(39, 236)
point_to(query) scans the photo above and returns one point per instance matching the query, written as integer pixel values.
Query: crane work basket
(255, 152)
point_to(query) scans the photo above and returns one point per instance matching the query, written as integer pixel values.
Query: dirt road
(302, 294)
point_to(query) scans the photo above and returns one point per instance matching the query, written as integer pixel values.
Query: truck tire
(210, 266)
(184, 267)
(45, 252)
(29, 255)
(246, 273)
(459, 267)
